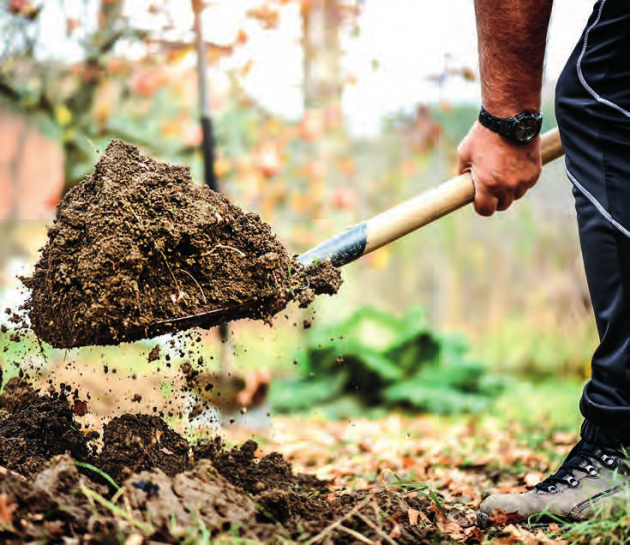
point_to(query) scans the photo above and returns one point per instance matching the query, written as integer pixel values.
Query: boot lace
(581, 453)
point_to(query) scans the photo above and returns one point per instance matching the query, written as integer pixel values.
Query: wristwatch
(521, 129)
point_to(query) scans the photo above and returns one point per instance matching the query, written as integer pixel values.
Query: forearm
(512, 36)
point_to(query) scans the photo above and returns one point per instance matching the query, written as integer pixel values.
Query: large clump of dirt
(138, 243)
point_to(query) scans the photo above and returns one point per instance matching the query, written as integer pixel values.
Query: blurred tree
(63, 94)
(321, 22)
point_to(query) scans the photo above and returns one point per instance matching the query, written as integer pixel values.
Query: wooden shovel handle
(437, 202)
(410, 215)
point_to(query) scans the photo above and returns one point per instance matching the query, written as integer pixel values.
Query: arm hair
(512, 36)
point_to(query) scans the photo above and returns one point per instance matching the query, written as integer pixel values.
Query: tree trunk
(321, 21)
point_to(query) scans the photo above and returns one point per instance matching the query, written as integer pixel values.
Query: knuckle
(484, 207)
(493, 182)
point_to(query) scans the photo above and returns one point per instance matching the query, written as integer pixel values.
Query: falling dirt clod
(138, 242)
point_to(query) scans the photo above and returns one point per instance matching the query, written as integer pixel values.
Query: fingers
(488, 200)
(501, 171)
(493, 197)
(485, 203)
(504, 203)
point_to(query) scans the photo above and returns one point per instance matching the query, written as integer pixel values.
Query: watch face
(526, 129)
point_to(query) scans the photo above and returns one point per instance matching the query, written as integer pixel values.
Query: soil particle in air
(138, 242)
(154, 354)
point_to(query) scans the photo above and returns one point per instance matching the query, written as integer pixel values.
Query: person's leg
(605, 403)
(593, 112)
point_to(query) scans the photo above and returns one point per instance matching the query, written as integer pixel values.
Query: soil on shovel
(138, 243)
(148, 485)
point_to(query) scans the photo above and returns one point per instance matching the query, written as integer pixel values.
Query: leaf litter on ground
(405, 479)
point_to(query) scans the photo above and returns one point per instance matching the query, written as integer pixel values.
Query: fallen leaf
(473, 535)
(7, 506)
(501, 518)
(453, 530)
(134, 539)
(396, 532)
(439, 514)
(532, 479)
(413, 516)
(553, 528)
(54, 527)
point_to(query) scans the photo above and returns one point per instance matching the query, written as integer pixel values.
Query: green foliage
(602, 528)
(378, 360)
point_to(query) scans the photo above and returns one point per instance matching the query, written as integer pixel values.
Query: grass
(610, 529)
(148, 529)
(420, 487)
(99, 472)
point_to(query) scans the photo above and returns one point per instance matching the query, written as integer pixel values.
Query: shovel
(363, 238)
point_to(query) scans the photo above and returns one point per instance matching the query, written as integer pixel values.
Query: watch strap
(506, 126)
(500, 125)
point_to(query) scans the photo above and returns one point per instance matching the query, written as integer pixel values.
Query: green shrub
(380, 361)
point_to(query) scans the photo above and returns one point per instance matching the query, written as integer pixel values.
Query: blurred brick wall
(31, 170)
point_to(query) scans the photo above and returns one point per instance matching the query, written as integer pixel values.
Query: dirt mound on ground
(35, 428)
(241, 467)
(137, 243)
(165, 495)
(138, 442)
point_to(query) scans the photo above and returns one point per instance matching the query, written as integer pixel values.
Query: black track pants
(593, 112)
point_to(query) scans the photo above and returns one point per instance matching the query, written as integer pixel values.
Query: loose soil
(138, 243)
(55, 486)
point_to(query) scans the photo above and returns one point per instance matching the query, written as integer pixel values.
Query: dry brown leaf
(134, 539)
(453, 530)
(501, 518)
(424, 518)
(439, 514)
(563, 438)
(533, 478)
(473, 535)
(7, 506)
(518, 534)
(553, 528)
(396, 531)
(413, 516)
(54, 527)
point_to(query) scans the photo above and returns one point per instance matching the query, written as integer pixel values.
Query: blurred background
(326, 112)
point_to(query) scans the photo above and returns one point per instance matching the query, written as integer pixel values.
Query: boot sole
(483, 522)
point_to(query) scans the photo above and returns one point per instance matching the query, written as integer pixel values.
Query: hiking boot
(590, 480)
